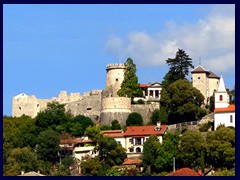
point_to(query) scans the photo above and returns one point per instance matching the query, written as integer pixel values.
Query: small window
(20, 108)
(231, 118)
(130, 140)
(199, 77)
(89, 109)
(220, 98)
(130, 149)
(116, 79)
(118, 142)
(37, 105)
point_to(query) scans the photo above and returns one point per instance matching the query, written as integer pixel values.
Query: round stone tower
(115, 76)
(113, 106)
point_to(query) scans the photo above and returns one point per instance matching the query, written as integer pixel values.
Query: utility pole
(173, 164)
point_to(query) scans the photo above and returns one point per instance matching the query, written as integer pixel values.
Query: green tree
(221, 148)
(78, 125)
(21, 159)
(113, 172)
(191, 149)
(53, 117)
(18, 132)
(182, 101)
(163, 115)
(110, 151)
(91, 166)
(179, 67)
(130, 86)
(134, 119)
(212, 103)
(48, 145)
(115, 125)
(155, 116)
(150, 153)
(167, 151)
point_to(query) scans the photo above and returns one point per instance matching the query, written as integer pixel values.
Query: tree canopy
(182, 101)
(130, 86)
(134, 119)
(179, 67)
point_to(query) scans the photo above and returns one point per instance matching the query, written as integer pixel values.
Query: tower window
(220, 98)
(199, 77)
(231, 118)
(20, 108)
(116, 79)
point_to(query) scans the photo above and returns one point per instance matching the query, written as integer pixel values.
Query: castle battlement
(116, 66)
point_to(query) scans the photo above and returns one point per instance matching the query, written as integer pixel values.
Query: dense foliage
(182, 102)
(134, 119)
(130, 86)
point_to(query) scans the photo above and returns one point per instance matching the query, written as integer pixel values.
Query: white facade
(226, 119)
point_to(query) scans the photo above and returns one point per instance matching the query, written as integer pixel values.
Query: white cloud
(212, 38)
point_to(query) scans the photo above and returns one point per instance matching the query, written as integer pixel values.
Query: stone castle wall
(145, 110)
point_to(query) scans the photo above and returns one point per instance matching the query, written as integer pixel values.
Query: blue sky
(49, 48)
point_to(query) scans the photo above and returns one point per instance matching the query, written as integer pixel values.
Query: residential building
(135, 136)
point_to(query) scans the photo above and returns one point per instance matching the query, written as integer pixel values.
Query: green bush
(205, 127)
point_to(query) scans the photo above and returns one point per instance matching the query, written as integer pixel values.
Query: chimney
(159, 124)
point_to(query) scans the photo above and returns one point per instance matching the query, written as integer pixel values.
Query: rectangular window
(130, 140)
(138, 141)
(231, 118)
(130, 149)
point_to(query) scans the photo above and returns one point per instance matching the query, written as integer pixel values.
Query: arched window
(220, 98)
(138, 149)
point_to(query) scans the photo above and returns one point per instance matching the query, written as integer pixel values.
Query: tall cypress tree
(130, 86)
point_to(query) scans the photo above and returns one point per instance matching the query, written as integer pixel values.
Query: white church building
(224, 113)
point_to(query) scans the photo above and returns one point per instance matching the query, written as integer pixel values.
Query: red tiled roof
(184, 172)
(230, 108)
(132, 161)
(144, 130)
(113, 133)
(143, 85)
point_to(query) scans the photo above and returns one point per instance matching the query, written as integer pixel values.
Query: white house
(224, 113)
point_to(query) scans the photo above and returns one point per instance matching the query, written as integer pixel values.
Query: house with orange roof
(224, 113)
(118, 135)
(78, 147)
(185, 172)
(135, 136)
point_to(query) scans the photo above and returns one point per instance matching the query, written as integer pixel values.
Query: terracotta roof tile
(111, 131)
(143, 85)
(184, 172)
(132, 161)
(114, 135)
(230, 108)
(144, 130)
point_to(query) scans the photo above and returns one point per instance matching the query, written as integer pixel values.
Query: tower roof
(212, 75)
(221, 86)
(199, 69)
